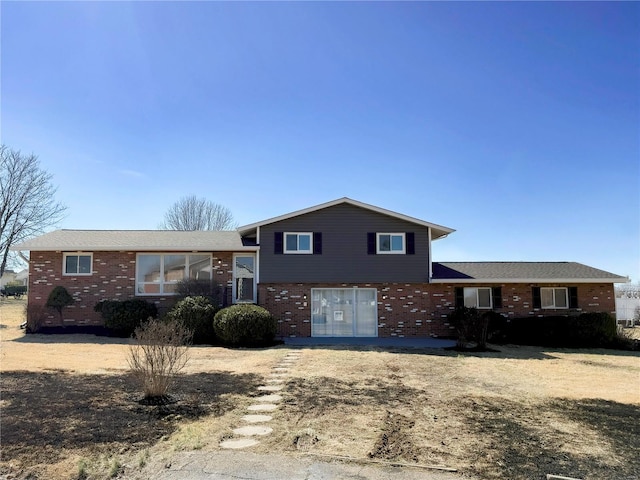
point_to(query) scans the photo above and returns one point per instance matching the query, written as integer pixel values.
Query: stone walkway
(257, 420)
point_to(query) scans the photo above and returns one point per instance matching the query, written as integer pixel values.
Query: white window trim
(477, 290)
(391, 252)
(234, 293)
(297, 252)
(76, 254)
(162, 283)
(555, 307)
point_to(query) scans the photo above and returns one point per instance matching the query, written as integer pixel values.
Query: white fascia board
(531, 280)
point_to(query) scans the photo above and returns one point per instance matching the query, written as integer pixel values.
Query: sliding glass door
(344, 312)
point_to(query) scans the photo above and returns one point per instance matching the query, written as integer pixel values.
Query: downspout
(21, 255)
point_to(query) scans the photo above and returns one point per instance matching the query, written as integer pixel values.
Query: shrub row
(238, 325)
(586, 330)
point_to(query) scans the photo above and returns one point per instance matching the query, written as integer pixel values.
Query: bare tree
(27, 204)
(192, 213)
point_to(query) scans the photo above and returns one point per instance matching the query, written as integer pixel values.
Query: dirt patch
(518, 414)
(394, 443)
(47, 417)
(70, 408)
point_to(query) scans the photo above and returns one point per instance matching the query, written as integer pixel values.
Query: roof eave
(531, 280)
(125, 248)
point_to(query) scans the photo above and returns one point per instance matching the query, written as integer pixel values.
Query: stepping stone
(270, 398)
(256, 418)
(275, 380)
(277, 374)
(239, 443)
(281, 369)
(251, 430)
(262, 407)
(270, 388)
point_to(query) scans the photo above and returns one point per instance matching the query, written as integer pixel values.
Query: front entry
(344, 312)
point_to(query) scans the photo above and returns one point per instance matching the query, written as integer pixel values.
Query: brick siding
(113, 278)
(419, 310)
(404, 309)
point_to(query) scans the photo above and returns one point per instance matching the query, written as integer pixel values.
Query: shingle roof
(474, 272)
(135, 240)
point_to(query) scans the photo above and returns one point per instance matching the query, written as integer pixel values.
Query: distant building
(7, 276)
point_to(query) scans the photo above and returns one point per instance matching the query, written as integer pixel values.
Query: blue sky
(517, 124)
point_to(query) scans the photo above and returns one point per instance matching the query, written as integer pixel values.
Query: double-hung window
(556, 297)
(478, 297)
(159, 274)
(77, 263)
(296, 242)
(391, 243)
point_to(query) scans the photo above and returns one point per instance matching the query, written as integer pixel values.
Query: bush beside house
(123, 317)
(196, 314)
(245, 326)
(58, 299)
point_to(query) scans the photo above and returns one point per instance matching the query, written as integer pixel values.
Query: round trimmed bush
(245, 325)
(196, 314)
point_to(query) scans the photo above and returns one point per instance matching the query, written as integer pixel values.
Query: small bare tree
(27, 204)
(192, 213)
(159, 354)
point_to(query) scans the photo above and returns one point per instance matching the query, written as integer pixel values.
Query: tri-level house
(342, 268)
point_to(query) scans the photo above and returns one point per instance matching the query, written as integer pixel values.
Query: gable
(437, 231)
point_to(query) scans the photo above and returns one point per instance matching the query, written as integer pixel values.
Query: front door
(244, 278)
(344, 312)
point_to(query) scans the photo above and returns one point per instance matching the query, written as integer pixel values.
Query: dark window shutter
(573, 297)
(411, 243)
(537, 302)
(496, 293)
(371, 243)
(278, 243)
(317, 243)
(459, 297)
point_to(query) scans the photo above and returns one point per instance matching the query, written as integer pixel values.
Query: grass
(519, 413)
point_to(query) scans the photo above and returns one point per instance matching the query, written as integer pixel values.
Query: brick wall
(404, 310)
(113, 278)
(418, 310)
(517, 299)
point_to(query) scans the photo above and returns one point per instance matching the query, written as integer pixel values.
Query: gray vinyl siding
(344, 255)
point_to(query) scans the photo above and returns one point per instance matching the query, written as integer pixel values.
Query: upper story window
(391, 243)
(159, 274)
(479, 297)
(557, 297)
(296, 242)
(77, 263)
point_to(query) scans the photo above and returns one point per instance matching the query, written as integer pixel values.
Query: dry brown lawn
(69, 407)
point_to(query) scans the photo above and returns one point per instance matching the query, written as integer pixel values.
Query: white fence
(626, 309)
